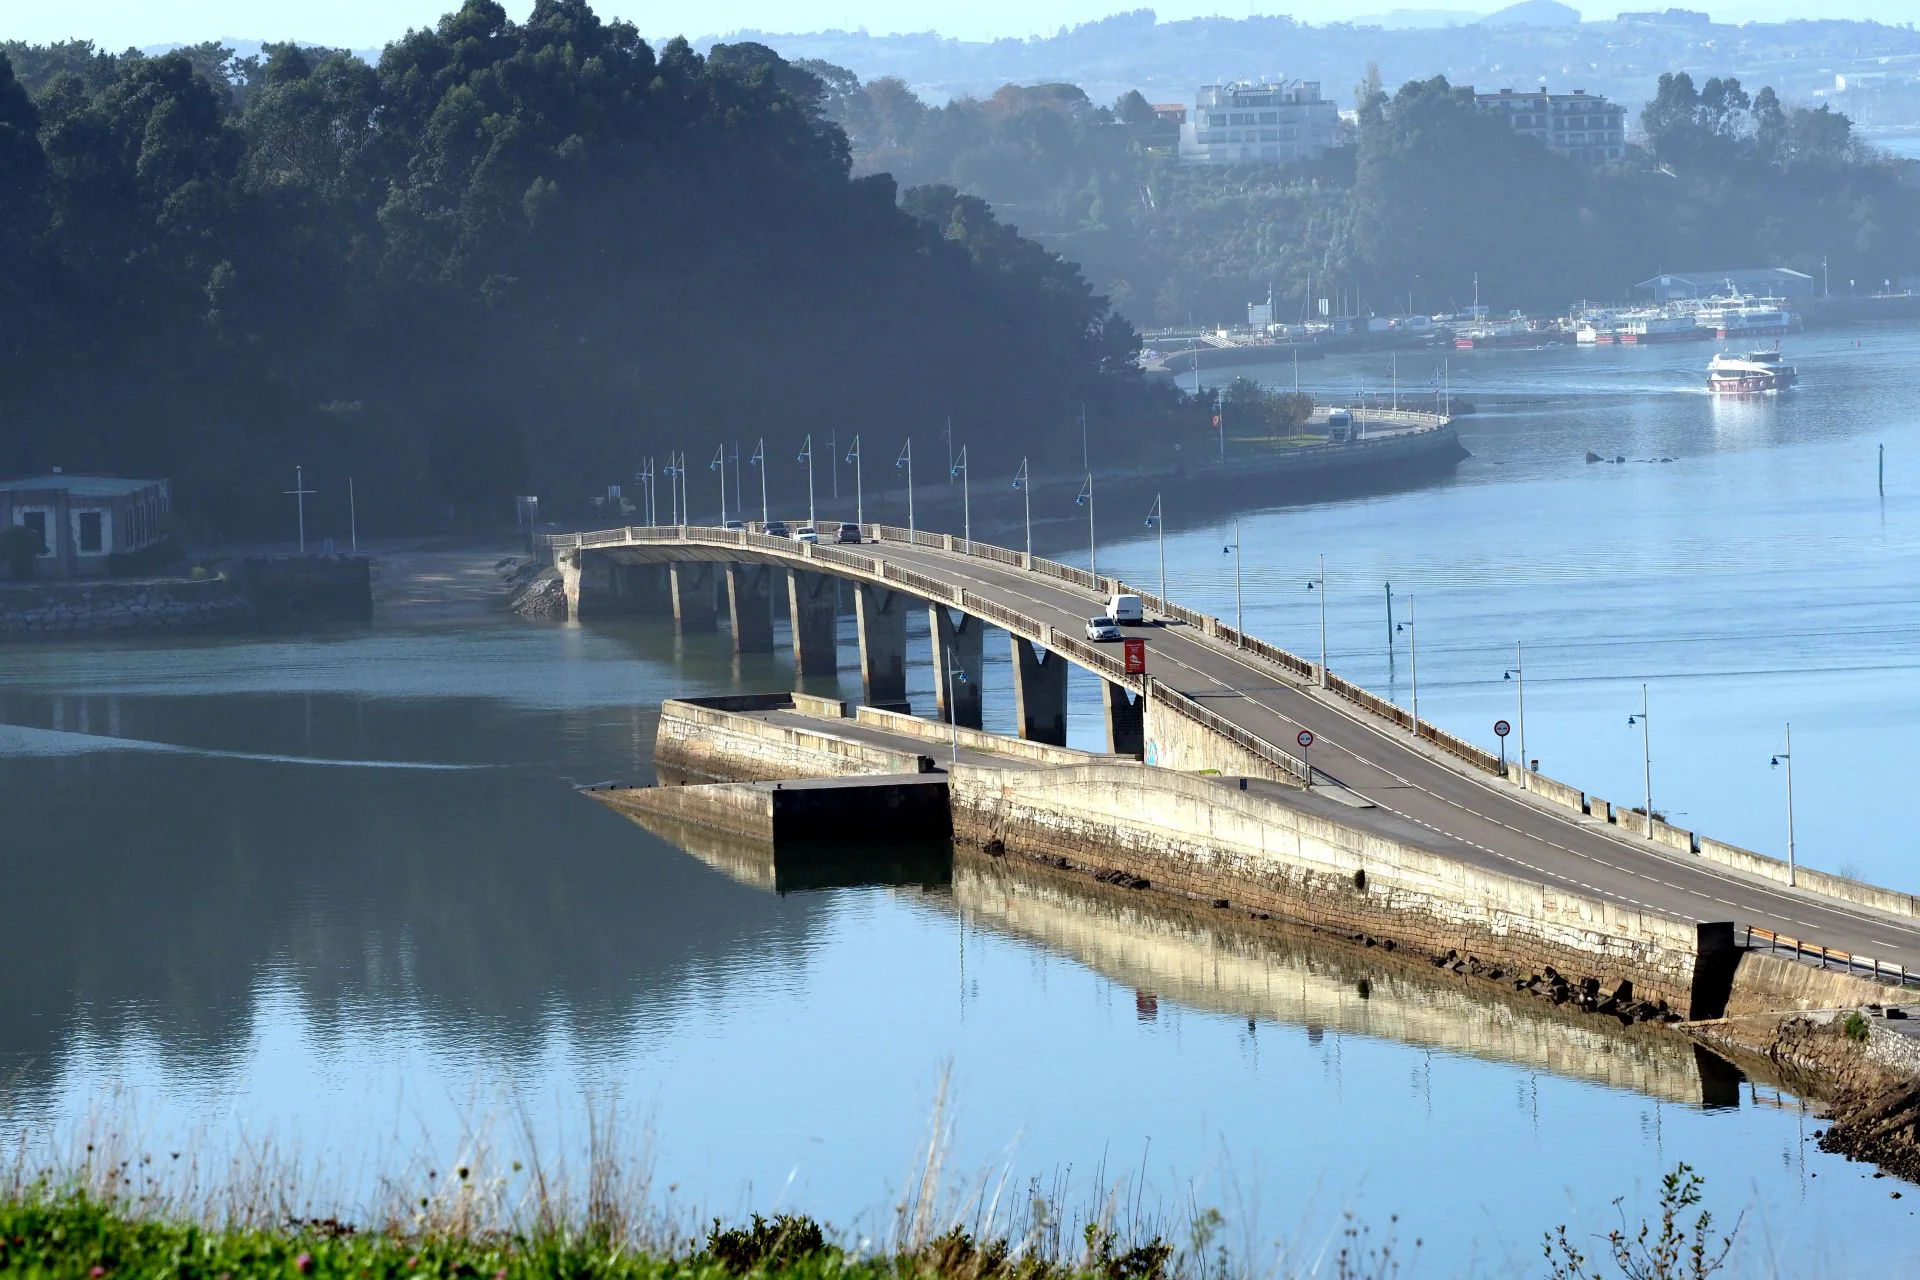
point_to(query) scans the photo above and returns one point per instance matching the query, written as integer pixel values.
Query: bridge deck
(1515, 832)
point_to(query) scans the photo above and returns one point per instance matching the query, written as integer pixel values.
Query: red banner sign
(1136, 657)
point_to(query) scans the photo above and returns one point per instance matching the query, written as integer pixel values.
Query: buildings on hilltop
(1266, 123)
(1581, 126)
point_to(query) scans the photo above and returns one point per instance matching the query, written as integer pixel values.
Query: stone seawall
(1206, 839)
(713, 742)
(49, 610)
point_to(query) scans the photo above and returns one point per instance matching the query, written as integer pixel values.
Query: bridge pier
(1039, 692)
(813, 603)
(693, 589)
(1126, 721)
(750, 606)
(598, 586)
(882, 617)
(962, 641)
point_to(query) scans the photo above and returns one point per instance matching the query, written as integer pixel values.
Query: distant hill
(1534, 13)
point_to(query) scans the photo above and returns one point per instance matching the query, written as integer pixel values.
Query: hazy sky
(361, 24)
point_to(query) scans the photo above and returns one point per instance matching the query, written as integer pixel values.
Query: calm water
(337, 895)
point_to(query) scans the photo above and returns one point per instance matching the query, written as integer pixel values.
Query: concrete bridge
(1217, 700)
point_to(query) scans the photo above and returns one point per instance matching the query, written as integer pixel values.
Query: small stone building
(83, 521)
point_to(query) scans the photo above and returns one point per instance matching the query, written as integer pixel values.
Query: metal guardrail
(1828, 957)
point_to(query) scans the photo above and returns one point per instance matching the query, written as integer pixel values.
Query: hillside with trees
(1426, 193)
(508, 258)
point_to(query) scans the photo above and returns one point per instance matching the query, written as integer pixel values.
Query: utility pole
(353, 517)
(300, 493)
(906, 460)
(859, 487)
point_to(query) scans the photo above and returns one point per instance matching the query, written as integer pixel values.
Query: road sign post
(1136, 657)
(1501, 729)
(1305, 739)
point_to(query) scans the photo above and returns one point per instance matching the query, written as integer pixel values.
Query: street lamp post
(966, 497)
(1239, 617)
(954, 676)
(759, 461)
(1413, 662)
(1086, 500)
(1157, 521)
(906, 460)
(644, 478)
(1519, 675)
(1022, 480)
(1787, 755)
(859, 485)
(673, 486)
(806, 456)
(1321, 587)
(719, 464)
(1646, 754)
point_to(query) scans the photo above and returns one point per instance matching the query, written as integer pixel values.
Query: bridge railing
(1828, 957)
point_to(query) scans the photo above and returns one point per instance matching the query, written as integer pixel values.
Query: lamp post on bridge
(759, 461)
(806, 456)
(1787, 755)
(1239, 618)
(1413, 661)
(1320, 585)
(644, 478)
(961, 469)
(859, 485)
(1157, 521)
(906, 460)
(1022, 482)
(1519, 676)
(719, 464)
(672, 474)
(1646, 753)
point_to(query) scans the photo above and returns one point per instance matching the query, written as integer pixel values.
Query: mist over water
(232, 914)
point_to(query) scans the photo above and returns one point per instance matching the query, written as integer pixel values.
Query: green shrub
(1856, 1028)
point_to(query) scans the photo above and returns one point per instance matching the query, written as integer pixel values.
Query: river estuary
(336, 896)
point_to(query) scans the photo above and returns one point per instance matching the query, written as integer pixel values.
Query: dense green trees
(508, 258)
(1428, 194)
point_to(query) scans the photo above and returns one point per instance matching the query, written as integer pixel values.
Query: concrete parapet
(1175, 742)
(956, 692)
(813, 604)
(750, 606)
(1809, 880)
(1547, 788)
(1598, 808)
(1301, 859)
(810, 704)
(719, 743)
(1039, 692)
(972, 739)
(882, 617)
(693, 595)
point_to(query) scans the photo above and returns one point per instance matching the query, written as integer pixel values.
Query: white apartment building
(1265, 123)
(1581, 126)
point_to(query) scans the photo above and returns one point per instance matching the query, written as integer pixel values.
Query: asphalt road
(1506, 830)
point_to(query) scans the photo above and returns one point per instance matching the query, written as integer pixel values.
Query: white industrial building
(1266, 123)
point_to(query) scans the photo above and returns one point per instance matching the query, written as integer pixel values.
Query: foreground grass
(45, 1234)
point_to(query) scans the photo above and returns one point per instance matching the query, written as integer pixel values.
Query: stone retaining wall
(713, 742)
(1209, 840)
(52, 609)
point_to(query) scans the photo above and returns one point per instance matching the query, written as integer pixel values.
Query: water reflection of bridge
(1267, 971)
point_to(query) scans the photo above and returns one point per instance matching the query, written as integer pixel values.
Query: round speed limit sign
(1502, 728)
(1305, 738)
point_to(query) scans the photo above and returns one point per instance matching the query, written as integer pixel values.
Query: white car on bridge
(1102, 628)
